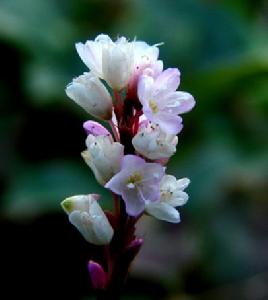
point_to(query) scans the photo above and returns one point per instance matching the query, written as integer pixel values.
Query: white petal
(183, 183)
(163, 211)
(82, 222)
(79, 202)
(101, 226)
(167, 181)
(178, 198)
(91, 55)
(117, 64)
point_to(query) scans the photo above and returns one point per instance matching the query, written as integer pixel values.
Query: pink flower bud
(131, 251)
(95, 128)
(134, 247)
(97, 275)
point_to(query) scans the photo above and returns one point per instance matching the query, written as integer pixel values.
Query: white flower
(88, 217)
(172, 195)
(111, 61)
(154, 143)
(103, 156)
(90, 93)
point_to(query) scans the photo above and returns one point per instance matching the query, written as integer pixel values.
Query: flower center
(133, 180)
(153, 106)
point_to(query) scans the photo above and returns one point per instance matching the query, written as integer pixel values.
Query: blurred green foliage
(221, 47)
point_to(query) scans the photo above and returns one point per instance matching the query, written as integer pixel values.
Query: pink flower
(138, 182)
(161, 102)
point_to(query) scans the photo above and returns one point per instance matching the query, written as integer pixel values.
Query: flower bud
(95, 128)
(97, 276)
(129, 254)
(103, 156)
(154, 143)
(88, 217)
(90, 93)
(134, 248)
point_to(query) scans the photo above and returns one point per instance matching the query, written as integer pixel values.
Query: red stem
(116, 205)
(118, 254)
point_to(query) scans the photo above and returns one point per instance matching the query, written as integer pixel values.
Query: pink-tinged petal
(151, 192)
(184, 102)
(153, 70)
(168, 79)
(117, 182)
(132, 162)
(153, 171)
(145, 87)
(152, 176)
(97, 275)
(134, 202)
(95, 128)
(163, 211)
(143, 123)
(138, 182)
(169, 123)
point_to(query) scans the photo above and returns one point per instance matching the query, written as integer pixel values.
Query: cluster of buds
(127, 86)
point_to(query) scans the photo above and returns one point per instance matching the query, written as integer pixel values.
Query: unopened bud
(95, 128)
(88, 217)
(134, 248)
(90, 93)
(154, 143)
(103, 156)
(97, 276)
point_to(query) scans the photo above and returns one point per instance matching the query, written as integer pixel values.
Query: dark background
(219, 250)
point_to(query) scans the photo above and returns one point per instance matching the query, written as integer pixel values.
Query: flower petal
(145, 86)
(117, 182)
(82, 222)
(134, 202)
(169, 123)
(185, 102)
(163, 211)
(95, 128)
(91, 55)
(183, 183)
(132, 162)
(168, 79)
(178, 198)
